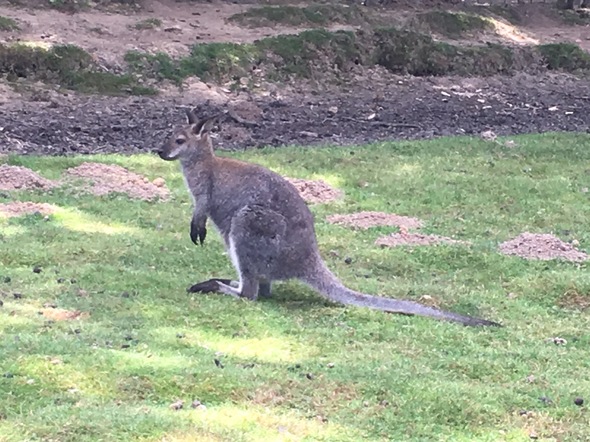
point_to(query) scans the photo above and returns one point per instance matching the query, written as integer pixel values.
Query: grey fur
(267, 227)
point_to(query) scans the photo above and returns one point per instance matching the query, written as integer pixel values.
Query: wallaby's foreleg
(198, 227)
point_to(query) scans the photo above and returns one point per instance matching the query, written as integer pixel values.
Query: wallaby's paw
(198, 233)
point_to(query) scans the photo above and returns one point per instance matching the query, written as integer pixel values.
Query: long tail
(328, 285)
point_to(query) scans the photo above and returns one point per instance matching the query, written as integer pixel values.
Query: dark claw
(198, 233)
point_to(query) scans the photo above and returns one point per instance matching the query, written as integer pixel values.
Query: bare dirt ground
(415, 239)
(366, 220)
(41, 120)
(316, 191)
(20, 208)
(541, 246)
(21, 178)
(103, 179)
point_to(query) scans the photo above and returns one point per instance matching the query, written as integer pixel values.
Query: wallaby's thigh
(256, 234)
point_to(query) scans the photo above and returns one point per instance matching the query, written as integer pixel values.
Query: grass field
(295, 367)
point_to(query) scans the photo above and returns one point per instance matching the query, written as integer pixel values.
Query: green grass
(452, 25)
(147, 24)
(67, 66)
(312, 15)
(113, 375)
(8, 24)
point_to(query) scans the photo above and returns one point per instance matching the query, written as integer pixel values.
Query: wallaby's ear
(204, 126)
(192, 119)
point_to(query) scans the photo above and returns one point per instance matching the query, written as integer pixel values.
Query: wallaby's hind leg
(264, 289)
(253, 246)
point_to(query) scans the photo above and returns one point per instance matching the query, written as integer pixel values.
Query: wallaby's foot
(247, 289)
(209, 286)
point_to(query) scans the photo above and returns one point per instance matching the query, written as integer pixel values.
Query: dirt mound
(64, 315)
(541, 246)
(108, 178)
(365, 220)
(18, 208)
(21, 178)
(316, 191)
(414, 239)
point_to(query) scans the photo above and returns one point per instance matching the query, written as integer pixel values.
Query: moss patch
(565, 56)
(451, 24)
(313, 15)
(300, 55)
(66, 65)
(316, 53)
(148, 23)
(8, 24)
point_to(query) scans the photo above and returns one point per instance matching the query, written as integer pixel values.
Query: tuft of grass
(312, 15)
(8, 24)
(67, 66)
(452, 24)
(296, 367)
(148, 23)
(565, 56)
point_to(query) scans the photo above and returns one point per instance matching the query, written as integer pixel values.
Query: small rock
(125, 295)
(559, 341)
(533, 435)
(333, 110)
(159, 182)
(7, 279)
(309, 376)
(61, 280)
(177, 405)
(579, 401)
(17, 295)
(8, 375)
(331, 365)
(180, 335)
(50, 305)
(197, 405)
(37, 269)
(218, 363)
(488, 135)
(348, 260)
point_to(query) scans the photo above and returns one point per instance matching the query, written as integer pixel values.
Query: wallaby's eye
(180, 141)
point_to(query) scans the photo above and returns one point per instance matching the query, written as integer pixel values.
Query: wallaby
(267, 227)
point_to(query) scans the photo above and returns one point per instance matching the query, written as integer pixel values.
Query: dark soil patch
(21, 178)
(366, 220)
(404, 108)
(541, 246)
(573, 299)
(414, 239)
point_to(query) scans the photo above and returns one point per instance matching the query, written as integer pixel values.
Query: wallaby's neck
(196, 168)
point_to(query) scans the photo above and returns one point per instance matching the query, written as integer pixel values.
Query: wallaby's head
(192, 139)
